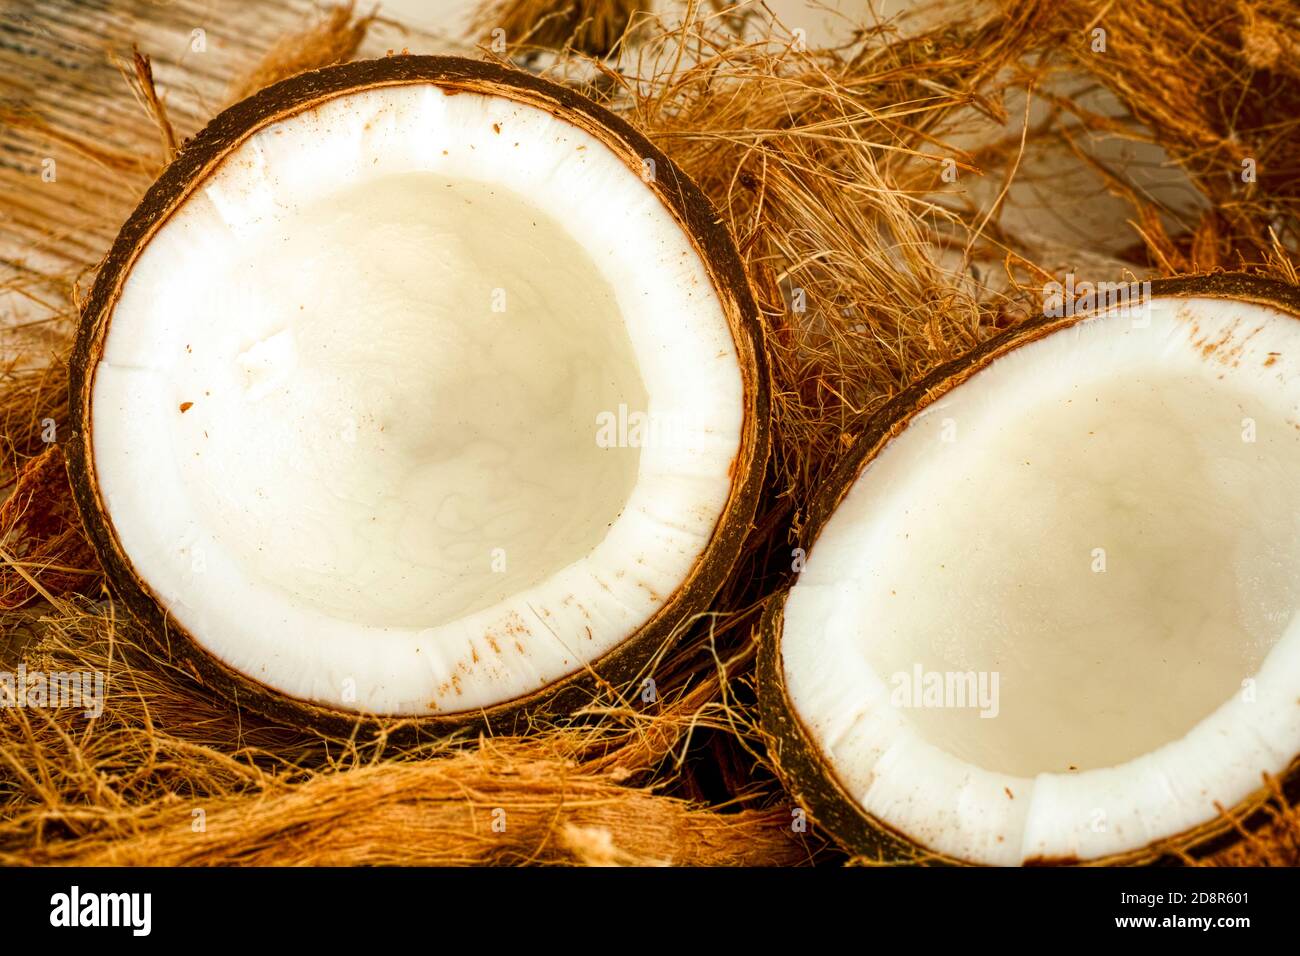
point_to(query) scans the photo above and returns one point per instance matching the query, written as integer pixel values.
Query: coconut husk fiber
(834, 170)
(596, 27)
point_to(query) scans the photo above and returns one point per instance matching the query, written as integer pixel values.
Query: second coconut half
(1051, 604)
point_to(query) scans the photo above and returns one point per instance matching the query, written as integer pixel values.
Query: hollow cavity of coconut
(1050, 610)
(420, 388)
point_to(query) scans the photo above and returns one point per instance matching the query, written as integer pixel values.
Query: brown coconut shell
(200, 158)
(799, 762)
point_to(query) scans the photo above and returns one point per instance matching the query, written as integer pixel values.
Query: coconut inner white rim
(401, 411)
(1059, 615)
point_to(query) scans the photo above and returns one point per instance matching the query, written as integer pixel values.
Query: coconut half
(1050, 610)
(418, 387)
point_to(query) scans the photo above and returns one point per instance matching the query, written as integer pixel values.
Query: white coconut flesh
(1107, 521)
(418, 404)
